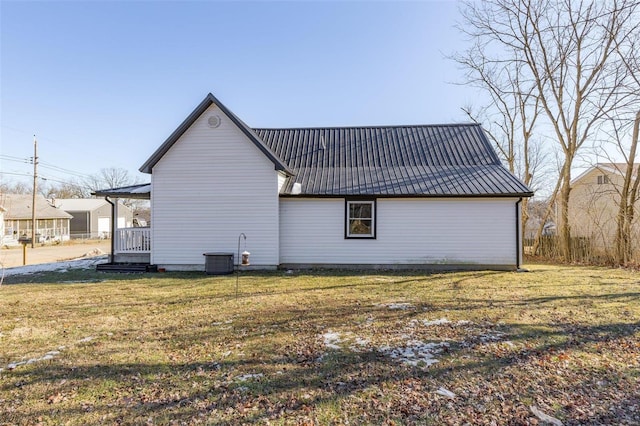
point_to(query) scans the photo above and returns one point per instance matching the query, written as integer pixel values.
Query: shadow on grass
(91, 275)
(212, 390)
(131, 392)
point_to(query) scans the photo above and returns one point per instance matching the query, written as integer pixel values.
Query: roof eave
(362, 196)
(125, 192)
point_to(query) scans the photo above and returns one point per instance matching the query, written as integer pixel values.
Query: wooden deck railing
(133, 240)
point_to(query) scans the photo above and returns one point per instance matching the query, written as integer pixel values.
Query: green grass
(181, 348)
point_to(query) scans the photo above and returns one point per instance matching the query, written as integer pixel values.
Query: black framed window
(360, 219)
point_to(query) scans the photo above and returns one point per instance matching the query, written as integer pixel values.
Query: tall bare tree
(629, 194)
(510, 116)
(623, 134)
(566, 50)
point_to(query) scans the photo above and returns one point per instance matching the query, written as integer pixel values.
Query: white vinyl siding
(409, 231)
(212, 185)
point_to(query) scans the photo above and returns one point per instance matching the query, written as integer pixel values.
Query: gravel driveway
(10, 257)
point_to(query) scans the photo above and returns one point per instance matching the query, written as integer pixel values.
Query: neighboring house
(52, 224)
(594, 201)
(92, 216)
(433, 196)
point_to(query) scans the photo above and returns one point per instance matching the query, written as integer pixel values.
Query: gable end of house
(197, 112)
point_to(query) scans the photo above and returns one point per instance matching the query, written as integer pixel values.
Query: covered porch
(130, 246)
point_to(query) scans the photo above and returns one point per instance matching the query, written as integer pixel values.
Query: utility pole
(35, 188)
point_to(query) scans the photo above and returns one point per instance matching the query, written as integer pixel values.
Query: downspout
(518, 235)
(113, 229)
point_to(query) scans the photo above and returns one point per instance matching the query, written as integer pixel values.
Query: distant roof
(18, 206)
(79, 204)
(202, 107)
(614, 168)
(141, 191)
(422, 160)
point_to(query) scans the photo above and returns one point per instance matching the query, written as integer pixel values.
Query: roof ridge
(385, 126)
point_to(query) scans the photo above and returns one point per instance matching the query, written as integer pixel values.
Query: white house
(429, 196)
(52, 225)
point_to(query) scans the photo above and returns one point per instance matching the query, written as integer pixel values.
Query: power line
(62, 170)
(16, 159)
(45, 165)
(16, 174)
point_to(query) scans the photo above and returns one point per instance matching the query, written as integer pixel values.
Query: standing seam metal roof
(424, 160)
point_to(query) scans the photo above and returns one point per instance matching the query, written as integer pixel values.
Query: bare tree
(114, 177)
(70, 189)
(627, 193)
(111, 177)
(15, 188)
(566, 50)
(510, 117)
(623, 134)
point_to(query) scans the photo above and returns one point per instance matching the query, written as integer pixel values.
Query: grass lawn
(81, 347)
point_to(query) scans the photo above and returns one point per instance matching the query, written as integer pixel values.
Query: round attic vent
(213, 121)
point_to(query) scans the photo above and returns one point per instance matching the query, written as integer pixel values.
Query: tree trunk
(628, 197)
(564, 229)
(547, 213)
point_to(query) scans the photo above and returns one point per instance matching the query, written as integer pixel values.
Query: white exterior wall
(213, 184)
(409, 231)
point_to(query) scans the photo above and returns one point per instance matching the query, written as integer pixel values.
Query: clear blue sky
(103, 84)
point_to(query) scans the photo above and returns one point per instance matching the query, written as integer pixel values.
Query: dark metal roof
(202, 107)
(141, 191)
(429, 160)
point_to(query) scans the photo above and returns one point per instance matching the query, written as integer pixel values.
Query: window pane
(360, 211)
(360, 227)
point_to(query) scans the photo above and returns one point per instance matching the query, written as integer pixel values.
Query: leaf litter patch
(412, 345)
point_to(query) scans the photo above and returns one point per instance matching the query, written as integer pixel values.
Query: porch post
(113, 229)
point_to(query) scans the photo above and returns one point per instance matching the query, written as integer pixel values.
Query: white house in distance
(52, 225)
(92, 216)
(425, 196)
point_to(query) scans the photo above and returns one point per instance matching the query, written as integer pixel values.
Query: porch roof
(141, 192)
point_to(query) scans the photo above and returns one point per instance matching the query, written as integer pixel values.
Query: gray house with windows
(92, 216)
(427, 196)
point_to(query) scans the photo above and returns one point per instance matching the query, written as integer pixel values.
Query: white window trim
(348, 233)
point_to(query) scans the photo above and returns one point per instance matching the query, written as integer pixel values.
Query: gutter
(113, 229)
